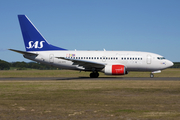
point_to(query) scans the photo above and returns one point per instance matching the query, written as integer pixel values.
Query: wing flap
(84, 63)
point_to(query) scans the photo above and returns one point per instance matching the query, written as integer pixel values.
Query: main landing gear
(94, 75)
(151, 75)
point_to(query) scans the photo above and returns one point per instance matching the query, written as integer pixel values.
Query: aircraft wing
(23, 52)
(85, 64)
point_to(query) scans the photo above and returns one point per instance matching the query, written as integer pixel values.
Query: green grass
(171, 72)
(89, 99)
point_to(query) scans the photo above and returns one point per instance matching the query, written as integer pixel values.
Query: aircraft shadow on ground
(88, 78)
(121, 78)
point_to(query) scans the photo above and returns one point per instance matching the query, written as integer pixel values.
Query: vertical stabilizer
(33, 40)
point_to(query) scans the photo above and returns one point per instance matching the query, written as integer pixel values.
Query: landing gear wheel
(97, 75)
(94, 75)
(151, 75)
(91, 75)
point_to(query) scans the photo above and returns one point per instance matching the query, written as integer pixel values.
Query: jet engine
(115, 70)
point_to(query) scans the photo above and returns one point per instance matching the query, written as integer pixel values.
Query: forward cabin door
(148, 59)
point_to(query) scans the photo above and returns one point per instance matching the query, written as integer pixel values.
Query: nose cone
(169, 63)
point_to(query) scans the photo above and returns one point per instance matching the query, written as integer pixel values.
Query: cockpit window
(160, 58)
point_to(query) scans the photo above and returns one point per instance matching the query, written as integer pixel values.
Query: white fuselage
(133, 61)
(109, 62)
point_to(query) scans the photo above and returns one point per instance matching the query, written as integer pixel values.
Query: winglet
(33, 39)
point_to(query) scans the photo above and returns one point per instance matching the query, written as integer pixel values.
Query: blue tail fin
(33, 39)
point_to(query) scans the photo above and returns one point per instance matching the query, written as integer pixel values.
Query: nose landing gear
(151, 75)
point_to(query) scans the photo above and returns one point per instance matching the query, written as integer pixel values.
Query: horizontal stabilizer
(23, 52)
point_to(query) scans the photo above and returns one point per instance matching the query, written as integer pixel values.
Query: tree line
(33, 65)
(24, 66)
(176, 65)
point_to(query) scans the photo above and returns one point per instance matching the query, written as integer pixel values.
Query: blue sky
(130, 25)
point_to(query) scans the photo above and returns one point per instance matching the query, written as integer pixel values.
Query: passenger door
(51, 58)
(148, 59)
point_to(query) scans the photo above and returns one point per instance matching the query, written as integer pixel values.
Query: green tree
(4, 65)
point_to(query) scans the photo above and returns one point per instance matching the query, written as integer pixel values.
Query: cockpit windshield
(160, 58)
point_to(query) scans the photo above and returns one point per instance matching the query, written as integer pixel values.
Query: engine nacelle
(115, 70)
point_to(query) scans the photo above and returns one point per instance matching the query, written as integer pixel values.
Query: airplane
(108, 62)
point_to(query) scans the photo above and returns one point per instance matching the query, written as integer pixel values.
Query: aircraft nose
(169, 63)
